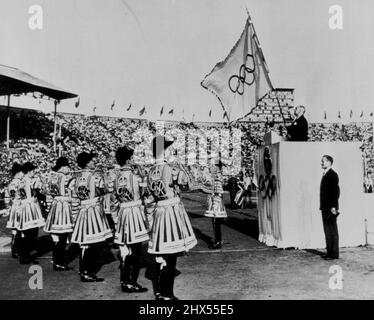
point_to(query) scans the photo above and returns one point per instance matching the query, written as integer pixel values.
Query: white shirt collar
(324, 171)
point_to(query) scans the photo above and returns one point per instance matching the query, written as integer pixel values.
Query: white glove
(161, 261)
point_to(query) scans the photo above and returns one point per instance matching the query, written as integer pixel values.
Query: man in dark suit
(329, 206)
(298, 129)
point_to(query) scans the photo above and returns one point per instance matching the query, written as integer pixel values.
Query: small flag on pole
(339, 115)
(94, 109)
(325, 115)
(171, 111)
(351, 114)
(162, 111)
(77, 103)
(141, 112)
(112, 106)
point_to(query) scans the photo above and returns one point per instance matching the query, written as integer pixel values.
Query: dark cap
(16, 168)
(84, 157)
(61, 162)
(159, 144)
(28, 166)
(123, 154)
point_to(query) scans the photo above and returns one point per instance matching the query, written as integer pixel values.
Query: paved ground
(243, 269)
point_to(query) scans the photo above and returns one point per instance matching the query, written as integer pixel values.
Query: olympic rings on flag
(242, 79)
(267, 186)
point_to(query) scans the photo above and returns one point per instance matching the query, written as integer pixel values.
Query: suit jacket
(298, 129)
(329, 191)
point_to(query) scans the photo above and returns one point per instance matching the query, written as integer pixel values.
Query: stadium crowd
(194, 142)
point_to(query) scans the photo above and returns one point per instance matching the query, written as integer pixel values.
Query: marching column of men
(88, 207)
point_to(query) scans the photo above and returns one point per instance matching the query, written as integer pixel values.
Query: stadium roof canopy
(15, 81)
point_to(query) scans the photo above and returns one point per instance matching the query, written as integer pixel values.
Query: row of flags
(141, 111)
(350, 114)
(225, 115)
(171, 111)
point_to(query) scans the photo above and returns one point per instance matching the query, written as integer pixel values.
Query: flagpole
(8, 123)
(280, 109)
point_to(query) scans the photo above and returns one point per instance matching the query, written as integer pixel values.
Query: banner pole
(8, 123)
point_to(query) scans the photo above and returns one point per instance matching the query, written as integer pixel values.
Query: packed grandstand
(196, 143)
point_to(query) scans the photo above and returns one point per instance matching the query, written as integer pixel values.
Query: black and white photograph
(186, 150)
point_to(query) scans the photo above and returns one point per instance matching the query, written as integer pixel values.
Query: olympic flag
(242, 79)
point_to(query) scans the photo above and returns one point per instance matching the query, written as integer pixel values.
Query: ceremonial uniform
(30, 217)
(172, 232)
(60, 218)
(14, 194)
(91, 226)
(109, 200)
(131, 227)
(216, 209)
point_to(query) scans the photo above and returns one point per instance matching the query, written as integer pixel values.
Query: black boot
(125, 273)
(25, 243)
(134, 272)
(217, 244)
(59, 263)
(167, 277)
(15, 245)
(129, 275)
(91, 262)
(85, 267)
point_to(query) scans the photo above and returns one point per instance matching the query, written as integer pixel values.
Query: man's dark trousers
(331, 233)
